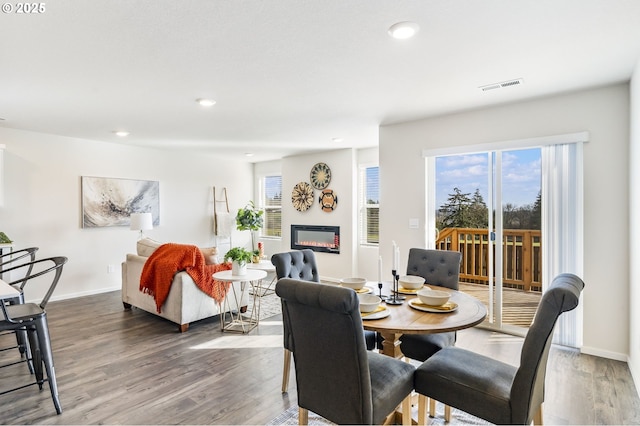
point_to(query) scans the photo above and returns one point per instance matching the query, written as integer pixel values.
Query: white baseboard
(79, 294)
(635, 377)
(604, 354)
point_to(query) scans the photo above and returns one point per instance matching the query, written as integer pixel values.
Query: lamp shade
(141, 221)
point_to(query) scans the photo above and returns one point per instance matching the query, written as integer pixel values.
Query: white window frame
(262, 204)
(363, 205)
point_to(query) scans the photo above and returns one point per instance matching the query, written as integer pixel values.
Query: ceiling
(290, 76)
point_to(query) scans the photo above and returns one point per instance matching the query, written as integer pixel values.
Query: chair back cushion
(527, 391)
(437, 267)
(329, 351)
(298, 264)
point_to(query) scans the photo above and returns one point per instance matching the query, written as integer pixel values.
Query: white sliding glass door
(514, 211)
(486, 209)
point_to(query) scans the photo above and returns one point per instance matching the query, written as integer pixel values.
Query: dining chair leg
(25, 348)
(432, 410)
(285, 370)
(44, 343)
(422, 410)
(303, 416)
(406, 411)
(537, 418)
(36, 355)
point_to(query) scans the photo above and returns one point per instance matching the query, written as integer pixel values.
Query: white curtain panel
(562, 227)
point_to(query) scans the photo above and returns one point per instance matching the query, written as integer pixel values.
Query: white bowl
(433, 297)
(354, 283)
(411, 282)
(368, 302)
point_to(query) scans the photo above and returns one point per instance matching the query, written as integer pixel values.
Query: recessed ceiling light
(206, 102)
(121, 133)
(337, 139)
(403, 30)
(248, 154)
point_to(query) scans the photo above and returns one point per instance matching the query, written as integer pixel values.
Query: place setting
(435, 301)
(371, 306)
(357, 284)
(409, 284)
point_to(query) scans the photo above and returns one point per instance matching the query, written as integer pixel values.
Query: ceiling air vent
(508, 83)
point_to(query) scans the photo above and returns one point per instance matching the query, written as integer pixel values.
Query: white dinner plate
(378, 315)
(417, 304)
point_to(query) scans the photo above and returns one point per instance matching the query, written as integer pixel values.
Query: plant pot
(238, 268)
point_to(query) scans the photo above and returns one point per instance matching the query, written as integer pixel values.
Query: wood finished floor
(130, 367)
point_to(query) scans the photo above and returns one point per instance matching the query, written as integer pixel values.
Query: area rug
(270, 305)
(290, 417)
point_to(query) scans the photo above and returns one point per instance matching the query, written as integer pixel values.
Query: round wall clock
(320, 176)
(328, 200)
(302, 196)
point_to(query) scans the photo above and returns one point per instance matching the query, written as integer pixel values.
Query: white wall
(42, 203)
(343, 181)
(604, 113)
(634, 229)
(365, 261)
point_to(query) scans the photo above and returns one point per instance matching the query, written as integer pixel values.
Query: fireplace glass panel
(317, 238)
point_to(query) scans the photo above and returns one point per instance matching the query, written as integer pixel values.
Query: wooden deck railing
(522, 255)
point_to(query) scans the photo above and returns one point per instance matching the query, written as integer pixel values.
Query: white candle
(379, 269)
(393, 256)
(397, 261)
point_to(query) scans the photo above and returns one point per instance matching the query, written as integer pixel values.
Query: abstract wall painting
(110, 201)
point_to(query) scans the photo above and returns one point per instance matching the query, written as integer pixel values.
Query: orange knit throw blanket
(168, 259)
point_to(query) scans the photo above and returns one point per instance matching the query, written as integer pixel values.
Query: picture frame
(111, 201)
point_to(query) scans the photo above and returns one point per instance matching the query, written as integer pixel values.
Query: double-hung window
(369, 205)
(271, 202)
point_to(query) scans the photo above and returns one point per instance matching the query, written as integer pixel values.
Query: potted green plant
(250, 218)
(239, 257)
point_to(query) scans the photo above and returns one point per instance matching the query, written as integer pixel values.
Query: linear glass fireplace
(317, 238)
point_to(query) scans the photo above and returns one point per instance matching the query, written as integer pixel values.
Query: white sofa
(185, 303)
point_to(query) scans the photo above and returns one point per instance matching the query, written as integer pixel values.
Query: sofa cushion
(210, 255)
(146, 246)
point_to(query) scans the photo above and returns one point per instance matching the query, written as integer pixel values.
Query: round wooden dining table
(403, 319)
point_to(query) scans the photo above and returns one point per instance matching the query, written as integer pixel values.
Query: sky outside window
(520, 181)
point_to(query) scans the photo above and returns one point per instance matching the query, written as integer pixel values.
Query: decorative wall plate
(302, 196)
(320, 176)
(328, 200)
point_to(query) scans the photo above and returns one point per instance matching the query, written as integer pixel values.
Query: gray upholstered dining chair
(300, 265)
(492, 390)
(32, 318)
(337, 377)
(440, 268)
